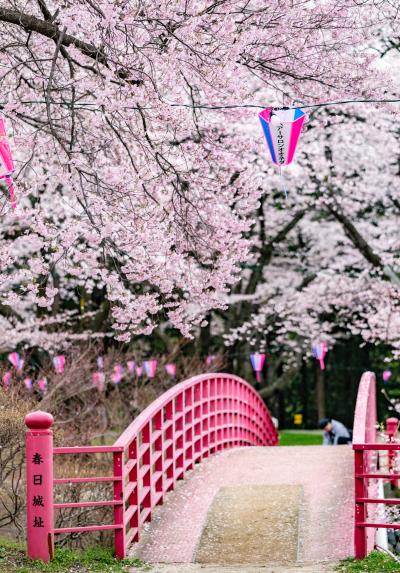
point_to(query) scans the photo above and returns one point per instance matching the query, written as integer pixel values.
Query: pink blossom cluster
(127, 186)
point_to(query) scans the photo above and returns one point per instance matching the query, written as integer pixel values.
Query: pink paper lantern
(98, 380)
(319, 350)
(171, 369)
(7, 379)
(210, 359)
(257, 361)
(7, 167)
(282, 127)
(386, 375)
(131, 366)
(59, 363)
(150, 367)
(16, 361)
(42, 385)
(117, 374)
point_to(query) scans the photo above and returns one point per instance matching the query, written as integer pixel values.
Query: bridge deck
(257, 506)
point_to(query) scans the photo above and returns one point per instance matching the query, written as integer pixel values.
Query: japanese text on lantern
(281, 144)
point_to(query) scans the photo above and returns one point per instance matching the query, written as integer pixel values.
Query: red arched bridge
(252, 503)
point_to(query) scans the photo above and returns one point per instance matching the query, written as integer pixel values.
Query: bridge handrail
(364, 428)
(194, 419)
(366, 448)
(140, 421)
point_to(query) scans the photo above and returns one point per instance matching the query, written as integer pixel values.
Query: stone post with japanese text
(39, 486)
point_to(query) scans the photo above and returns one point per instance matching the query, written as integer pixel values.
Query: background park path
(276, 509)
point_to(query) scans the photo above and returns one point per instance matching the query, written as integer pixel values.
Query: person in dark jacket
(335, 433)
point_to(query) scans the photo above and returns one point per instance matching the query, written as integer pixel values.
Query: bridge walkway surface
(267, 509)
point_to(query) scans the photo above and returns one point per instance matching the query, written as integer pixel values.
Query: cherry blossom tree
(138, 182)
(329, 269)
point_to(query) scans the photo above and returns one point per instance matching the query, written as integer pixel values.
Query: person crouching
(335, 433)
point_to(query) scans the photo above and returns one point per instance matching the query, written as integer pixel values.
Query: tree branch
(282, 382)
(49, 30)
(267, 249)
(361, 245)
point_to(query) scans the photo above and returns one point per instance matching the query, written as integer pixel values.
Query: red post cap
(392, 425)
(39, 420)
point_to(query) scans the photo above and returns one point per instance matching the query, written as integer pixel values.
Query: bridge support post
(392, 426)
(170, 450)
(197, 426)
(119, 513)
(39, 486)
(180, 441)
(360, 534)
(134, 487)
(189, 429)
(208, 414)
(158, 452)
(147, 469)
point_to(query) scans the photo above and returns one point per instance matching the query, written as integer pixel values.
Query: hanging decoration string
(305, 106)
(205, 106)
(283, 182)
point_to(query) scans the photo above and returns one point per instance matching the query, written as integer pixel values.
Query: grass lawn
(301, 438)
(376, 562)
(94, 560)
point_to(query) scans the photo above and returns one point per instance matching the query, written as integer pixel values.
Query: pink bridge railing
(366, 449)
(194, 419)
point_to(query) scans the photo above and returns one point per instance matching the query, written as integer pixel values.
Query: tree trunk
(320, 393)
(281, 408)
(304, 394)
(205, 337)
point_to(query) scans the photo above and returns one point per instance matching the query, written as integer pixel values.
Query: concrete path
(292, 505)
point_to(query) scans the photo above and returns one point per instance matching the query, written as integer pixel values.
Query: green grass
(300, 439)
(376, 562)
(93, 560)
